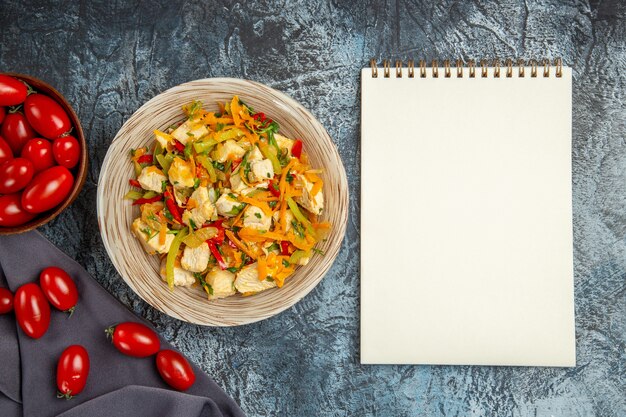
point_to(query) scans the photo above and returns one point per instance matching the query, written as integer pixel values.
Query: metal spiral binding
(471, 66)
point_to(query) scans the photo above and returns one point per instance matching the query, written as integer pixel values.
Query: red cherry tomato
(32, 310)
(15, 174)
(72, 371)
(46, 116)
(39, 152)
(11, 211)
(296, 149)
(3, 113)
(16, 131)
(59, 288)
(175, 370)
(5, 151)
(134, 339)
(47, 190)
(6, 301)
(12, 91)
(66, 151)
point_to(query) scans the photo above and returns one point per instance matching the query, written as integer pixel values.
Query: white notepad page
(466, 220)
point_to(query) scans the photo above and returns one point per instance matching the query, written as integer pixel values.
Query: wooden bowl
(115, 215)
(79, 171)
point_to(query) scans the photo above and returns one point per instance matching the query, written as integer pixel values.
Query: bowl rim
(340, 229)
(83, 164)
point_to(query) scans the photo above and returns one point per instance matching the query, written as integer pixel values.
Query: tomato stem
(70, 311)
(109, 332)
(29, 90)
(15, 109)
(68, 395)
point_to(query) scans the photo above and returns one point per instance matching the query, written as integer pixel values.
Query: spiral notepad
(466, 214)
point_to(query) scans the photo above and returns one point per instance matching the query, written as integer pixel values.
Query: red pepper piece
(284, 247)
(173, 207)
(235, 164)
(296, 149)
(219, 238)
(146, 158)
(273, 187)
(259, 116)
(147, 200)
(134, 183)
(218, 256)
(179, 146)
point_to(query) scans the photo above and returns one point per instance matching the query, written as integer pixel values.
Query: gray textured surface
(110, 57)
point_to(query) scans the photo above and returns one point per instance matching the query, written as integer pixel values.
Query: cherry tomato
(72, 371)
(12, 91)
(3, 112)
(6, 301)
(47, 190)
(15, 174)
(32, 310)
(296, 149)
(134, 339)
(39, 152)
(5, 151)
(16, 131)
(175, 370)
(59, 288)
(46, 116)
(11, 211)
(66, 151)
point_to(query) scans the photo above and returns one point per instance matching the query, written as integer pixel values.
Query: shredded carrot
(260, 204)
(235, 110)
(162, 233)
(317, 186)
(283, 177)
(239, 244)
(262, 268)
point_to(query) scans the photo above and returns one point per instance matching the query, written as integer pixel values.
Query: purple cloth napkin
(117, 385)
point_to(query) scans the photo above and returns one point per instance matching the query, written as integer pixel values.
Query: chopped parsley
(298, 228)
(192, 223)
(272, 204)
(219, 126)
(286, 263)
(218, 165)
(196, 183)
(274, 246)
(167, 214)
(153, 217)
(188, 149)
(269, 278)
(163, 186)
(289, 177)
(232, 269)
(258, 215)
(236, 209)
(233, 196)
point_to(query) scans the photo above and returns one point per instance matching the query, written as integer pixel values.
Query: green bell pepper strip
(270, 153)
(133, 195)
(295, 210)
(204, 146)
(138, 168)
(297, 255)
(171, 256)
(165, 161)
(206, 163)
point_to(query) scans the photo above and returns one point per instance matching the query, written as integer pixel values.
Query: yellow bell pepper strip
(239, 244)
(164, 136)
(197, 238)
(171, 257)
